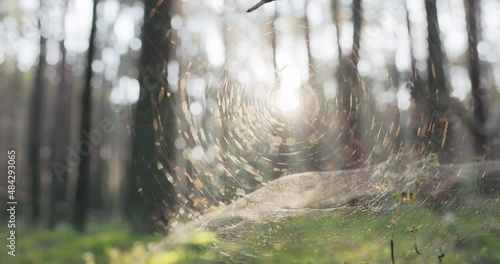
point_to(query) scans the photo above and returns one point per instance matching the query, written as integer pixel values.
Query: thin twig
(258, 5)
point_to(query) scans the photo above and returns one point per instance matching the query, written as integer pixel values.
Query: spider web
(243, 161)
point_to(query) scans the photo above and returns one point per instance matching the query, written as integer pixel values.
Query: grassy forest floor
(421, 235)
(422, 230)
(470, 234)
(64, 245)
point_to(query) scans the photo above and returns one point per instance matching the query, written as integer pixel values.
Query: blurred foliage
(431, 160)
(65, 245)
(195, 250)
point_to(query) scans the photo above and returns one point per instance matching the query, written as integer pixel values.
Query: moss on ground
(64, 245)
(470, 234)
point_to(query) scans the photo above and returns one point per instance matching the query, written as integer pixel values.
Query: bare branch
(258, 5)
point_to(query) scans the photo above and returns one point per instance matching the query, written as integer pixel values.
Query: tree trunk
(488, 183)
(437, 132)
(438, 93)
(85, 147)
(35, 126)
(278, 162)
(350, 93)
(479, 95)
(149, 195)
(416, 87)
(356, 21)
(60, 140)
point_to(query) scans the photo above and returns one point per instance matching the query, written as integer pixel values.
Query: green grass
(361, 238)
(470, 234)
(467, 235)
(64, 245)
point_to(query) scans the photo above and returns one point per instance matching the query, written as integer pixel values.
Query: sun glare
(287, 101)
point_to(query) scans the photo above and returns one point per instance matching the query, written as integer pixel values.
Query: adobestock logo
(95, 137)
(152, 81)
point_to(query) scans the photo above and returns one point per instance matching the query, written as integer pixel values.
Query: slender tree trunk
(415, 78)
(351, 94)
(356, 38)
(336, 20)
(438, 93)
(279, 162)
(308, 45)
(82, 188)
(419, 115)
(360, 103)
(35, 126)
(488, 183)
(224, 104)
(60, 140)
(351, 71)
(98, 173)
(314, 151)
(149, 196)
(438, 131)
(479, 95)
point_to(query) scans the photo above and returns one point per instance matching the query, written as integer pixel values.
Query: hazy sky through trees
(201, 30)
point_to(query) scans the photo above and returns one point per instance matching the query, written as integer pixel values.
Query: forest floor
(371, 215)
(463, 236)
(420, 235)
(63, 245)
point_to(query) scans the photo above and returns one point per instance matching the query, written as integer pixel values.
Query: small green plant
(431, 161)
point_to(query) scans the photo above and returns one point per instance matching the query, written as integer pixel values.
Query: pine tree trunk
(82, 188)
(35, 126)
(149, 195)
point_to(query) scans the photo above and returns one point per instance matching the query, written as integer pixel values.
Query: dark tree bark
(438, 134)
(441, 136)
(60, 140)
(351, 74)
(350, 92)
(479, 95)
(307, 34)
(336, 20)
(356, 38)
(488, 183)
(98, 170)
(314, 151)
(223, 110)
(415, 77)
(438, 93)
(35, 126)
(82, 189)
(149, 195)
